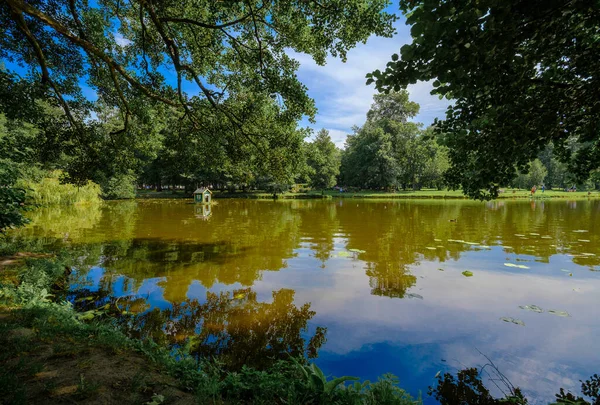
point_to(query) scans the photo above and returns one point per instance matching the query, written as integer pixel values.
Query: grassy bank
(53, 354)
(420, 194)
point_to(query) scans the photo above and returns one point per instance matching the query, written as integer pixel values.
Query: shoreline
(418, 195)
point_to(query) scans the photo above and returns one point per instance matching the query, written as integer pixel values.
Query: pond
(407, 287)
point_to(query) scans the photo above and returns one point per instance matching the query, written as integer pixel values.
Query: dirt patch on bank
(20, 257)
(60, 370)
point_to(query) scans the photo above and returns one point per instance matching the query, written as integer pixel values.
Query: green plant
(317, 380)
(12, 197)
(118, 187)
(86, 389)
(49, 189)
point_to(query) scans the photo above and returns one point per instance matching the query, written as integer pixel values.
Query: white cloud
(121, 40)
(339, 89)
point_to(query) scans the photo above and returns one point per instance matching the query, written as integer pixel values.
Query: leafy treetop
(521, 74)
(217, 51)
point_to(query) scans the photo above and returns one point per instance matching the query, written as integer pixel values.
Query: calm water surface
(375, 286)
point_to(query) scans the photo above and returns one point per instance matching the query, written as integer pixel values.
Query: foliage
(49, 189)
(220, 52)
(12, 198)
(389, 152)
(323, 158)
(521, 75)
(121, 186)
(535, 175)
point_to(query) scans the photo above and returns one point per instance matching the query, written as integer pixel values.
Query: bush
(12, 198)
(50, 190)
(119, 187)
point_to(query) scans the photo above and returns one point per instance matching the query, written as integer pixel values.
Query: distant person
(533, 190)
(543, 188)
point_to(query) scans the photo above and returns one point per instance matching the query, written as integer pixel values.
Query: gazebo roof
(201, 190)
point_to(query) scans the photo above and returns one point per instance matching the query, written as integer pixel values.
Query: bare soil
(63, 370)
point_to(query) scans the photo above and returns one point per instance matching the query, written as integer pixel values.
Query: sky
(339, 89)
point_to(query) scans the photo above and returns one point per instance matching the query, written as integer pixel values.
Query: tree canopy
(199, 59)
(389, 151)
(520, 74)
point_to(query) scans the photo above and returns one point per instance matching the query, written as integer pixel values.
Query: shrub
(50, 190)
(119, 187)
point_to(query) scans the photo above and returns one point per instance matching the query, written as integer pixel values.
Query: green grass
(374, 194)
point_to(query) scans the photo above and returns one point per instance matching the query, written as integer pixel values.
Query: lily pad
(558, 313)
(534, 234)
(512, 320)
(357, 250)
(583, 240)
(437, 240)
(533, 308)
(467, 273)
(344, 254)
(412, 295)
(431, 248)
(546, 237)
(520, 235)
(580, 230)
(471, 243)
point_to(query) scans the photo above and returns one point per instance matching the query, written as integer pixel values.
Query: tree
(389, 151)
(220, 52)
(324, 160)
(520, 74)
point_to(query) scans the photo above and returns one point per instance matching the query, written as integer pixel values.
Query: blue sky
(339, 89)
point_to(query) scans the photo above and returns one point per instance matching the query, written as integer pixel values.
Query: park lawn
(409, 194)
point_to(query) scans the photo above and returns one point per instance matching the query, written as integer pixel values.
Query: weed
(86, 389)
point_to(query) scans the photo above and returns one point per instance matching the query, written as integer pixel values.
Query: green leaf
(331, 385)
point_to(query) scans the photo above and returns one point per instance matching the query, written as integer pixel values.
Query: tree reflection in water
(233, 327)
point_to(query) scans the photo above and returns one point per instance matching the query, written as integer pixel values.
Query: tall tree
(521, 74)
(324, 160)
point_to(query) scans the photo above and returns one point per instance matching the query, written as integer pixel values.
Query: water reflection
(181, 271)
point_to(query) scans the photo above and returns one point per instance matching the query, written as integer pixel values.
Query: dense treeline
(389, 152)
